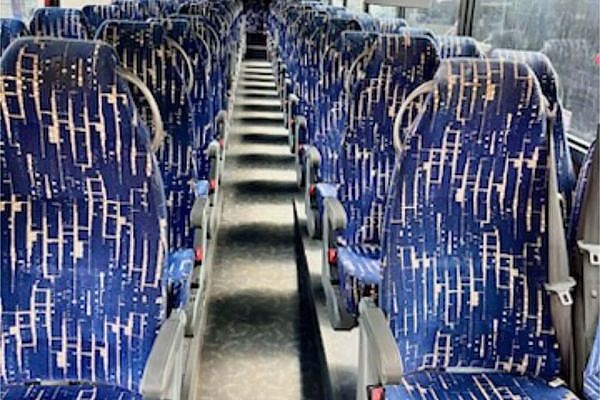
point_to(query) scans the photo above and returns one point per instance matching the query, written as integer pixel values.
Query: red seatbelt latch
(332, 256)
(376, 393)
(199, 255)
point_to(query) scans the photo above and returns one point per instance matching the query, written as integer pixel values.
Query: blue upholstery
(68, 23)
(134, 9)
(465, 251)
(475, 386)
(393, 67)
(71, 392)
(457, 46)
(591, 375)
(10, 29)
(390, 25)
(83, 216)
(578, 198)
(548, 79)
(143, 49)
(178, 277)
(97, 14)
(359, 273)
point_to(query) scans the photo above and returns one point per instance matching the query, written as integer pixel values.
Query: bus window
(441, 18)
(567, 32)
(383, 11)
(355, 5)
(20, 9)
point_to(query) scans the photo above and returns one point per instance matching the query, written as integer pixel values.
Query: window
(355, 5)
(383, 11)
(441, 18)
(20, 9)
(567, 32)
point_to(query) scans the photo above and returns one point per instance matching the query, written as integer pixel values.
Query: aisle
(255, 340)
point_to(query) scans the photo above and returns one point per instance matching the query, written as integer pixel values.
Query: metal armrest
(199, 212)
(163, 374)
(335, 214)
(379, 361)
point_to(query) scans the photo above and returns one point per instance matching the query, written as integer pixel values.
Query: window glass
(567, 32)
(383, 11)
(21, 9)
(355, 5)
(337, 2)
(441, 18)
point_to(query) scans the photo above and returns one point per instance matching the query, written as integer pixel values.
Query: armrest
(163, 374)
(381, 348)
(336, 214)
(199, 210)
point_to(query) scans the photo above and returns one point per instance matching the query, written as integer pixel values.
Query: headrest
(62, 22)
(541, 66)
(61, 63)
(127, 34)
(97, 14)
(10, 29)
(506, 83)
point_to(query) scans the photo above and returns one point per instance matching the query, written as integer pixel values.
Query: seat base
(488, 386)
(68, 392)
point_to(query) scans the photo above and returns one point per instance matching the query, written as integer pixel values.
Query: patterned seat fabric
(465, 250)
(143, 49)
(489, 386)
(591, 375)
(548, 79)
(457, 46)
(10, 29)
(390, 25)
(97, 14)
(83, 214)
(397, 64)
(578, 198)
(67, 23)
(71, 392)
(135, 9)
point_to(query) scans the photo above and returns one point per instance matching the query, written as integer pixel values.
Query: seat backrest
(390, 25)
(457, 46)
(143, 49)
(10, 29)
(67, 23)
(97, 14)
(465, 254)
(83, 216)
(134, 9)
(549, 82)
(393, 68)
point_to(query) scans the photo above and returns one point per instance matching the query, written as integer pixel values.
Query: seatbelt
(589, 245)
(560, 283)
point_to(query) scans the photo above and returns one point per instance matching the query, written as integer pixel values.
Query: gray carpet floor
(257, 343)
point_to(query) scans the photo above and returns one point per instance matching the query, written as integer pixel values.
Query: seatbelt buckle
(592, 250)
(563, 290)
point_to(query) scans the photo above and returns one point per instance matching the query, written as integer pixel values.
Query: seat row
(111, 153)
(435, 208)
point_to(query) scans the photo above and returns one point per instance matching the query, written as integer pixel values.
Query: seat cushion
(70, 392)
(488, 386)
(359, 274)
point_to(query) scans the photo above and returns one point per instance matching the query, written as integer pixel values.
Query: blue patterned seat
(135, 9)
(497, 386)
(79, 392)
(83, 213)
(97, 14)
(67, 23)
(10, 29)
(465, 248)
(390, 25)
(392, 68)
(143, 49)
(591, 375)
(457, 46)
(548, 79)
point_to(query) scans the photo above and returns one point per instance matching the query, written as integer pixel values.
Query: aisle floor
(256, 341)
